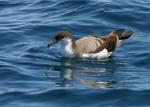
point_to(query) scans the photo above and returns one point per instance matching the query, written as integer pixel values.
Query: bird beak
(51, 43)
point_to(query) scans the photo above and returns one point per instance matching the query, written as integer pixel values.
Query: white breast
(66, 48)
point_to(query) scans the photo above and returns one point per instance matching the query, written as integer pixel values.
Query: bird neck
(68, 48)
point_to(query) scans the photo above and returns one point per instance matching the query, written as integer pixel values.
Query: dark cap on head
(59, 36)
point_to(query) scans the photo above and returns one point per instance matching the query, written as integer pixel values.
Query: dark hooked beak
(51, 43)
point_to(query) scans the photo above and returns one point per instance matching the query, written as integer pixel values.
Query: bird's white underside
(100, 55)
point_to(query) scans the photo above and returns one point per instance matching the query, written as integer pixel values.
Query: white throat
(66, 48)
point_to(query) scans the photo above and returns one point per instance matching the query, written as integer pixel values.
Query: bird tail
(122, 35)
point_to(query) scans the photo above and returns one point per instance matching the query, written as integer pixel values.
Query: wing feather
(88, 44)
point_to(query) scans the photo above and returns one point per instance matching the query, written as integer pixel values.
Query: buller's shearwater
(90, 46)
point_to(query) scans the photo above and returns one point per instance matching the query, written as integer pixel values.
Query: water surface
(32, 75)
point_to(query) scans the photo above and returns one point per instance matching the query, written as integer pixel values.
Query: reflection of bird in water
(99, 84)
(77, 73)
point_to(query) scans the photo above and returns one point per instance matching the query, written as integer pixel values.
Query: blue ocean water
(33, 75)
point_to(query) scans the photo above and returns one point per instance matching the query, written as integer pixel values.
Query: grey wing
(88, 44)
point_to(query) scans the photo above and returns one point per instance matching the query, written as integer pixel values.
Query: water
(32, 75)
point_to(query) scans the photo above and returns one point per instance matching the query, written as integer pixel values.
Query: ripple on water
(74, 98)
(32, 75)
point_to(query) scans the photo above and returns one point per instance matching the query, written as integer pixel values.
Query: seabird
(90, 46)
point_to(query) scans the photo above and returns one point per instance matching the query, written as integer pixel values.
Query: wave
(79, 97)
